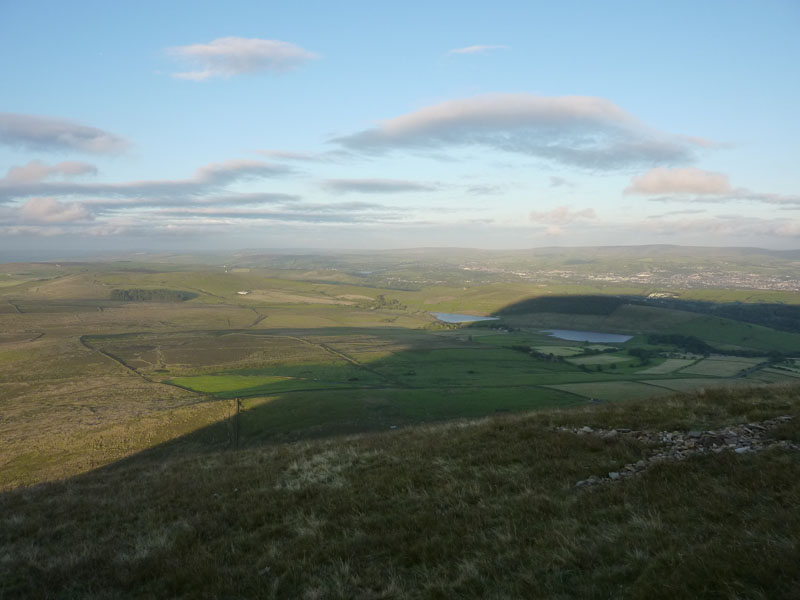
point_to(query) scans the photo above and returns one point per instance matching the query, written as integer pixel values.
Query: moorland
(142, 384)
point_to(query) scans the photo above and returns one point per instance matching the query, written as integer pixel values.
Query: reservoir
(587, 336)
(459, 318)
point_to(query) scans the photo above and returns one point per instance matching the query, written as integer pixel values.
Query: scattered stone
(676, 445)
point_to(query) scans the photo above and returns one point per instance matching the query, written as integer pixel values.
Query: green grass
(728, 333)
(688, 384)
(669, 365)
(559, 350)
(718, 368)
(601, 359)
(301, 415)
(307, 358)
(211, 384)
(612, 390)
(483, 509)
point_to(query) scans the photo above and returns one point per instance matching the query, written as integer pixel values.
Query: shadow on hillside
(570, 305)
(781, 317)
(409, 385)
(434, 376)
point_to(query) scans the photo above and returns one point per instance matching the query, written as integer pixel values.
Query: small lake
(459, 318)
(587, 336)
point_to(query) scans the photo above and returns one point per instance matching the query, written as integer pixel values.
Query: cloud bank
(51, 134)
(50, 210)
(698, 186)
(679, 181)
(206, 179)
(230, 56)
(36, 170)
(376, 186)
(580, 131)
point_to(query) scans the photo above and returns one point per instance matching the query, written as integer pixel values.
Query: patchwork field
(669, 365)
(718, 368)
(600, 359)
(86, 380)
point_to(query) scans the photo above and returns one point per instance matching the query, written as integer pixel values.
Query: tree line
(157, 295)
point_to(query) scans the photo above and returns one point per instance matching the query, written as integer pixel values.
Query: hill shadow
(781, 317)
(415, 383)
(435, 377)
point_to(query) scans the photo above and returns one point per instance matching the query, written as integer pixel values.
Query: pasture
(719, 368)
(613, 391)
(669, 365)
(86, 380)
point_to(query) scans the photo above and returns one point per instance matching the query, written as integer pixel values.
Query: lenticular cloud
(579, 131)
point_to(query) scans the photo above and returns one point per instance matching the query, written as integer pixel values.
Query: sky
(185, 126)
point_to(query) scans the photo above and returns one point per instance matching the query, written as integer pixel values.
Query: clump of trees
(546, 356)
(158, 295)
(689, 343)
(391, 303)
(643, 354)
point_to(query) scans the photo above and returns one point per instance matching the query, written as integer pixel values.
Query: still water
(459, 318)
(587, 336)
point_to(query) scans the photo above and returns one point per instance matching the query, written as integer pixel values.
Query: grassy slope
(484, 509)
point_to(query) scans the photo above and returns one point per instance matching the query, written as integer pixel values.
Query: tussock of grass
(484, 509)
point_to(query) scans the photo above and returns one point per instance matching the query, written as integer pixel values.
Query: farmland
(99, 361)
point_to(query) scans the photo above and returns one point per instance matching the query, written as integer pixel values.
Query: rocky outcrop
(678, 445)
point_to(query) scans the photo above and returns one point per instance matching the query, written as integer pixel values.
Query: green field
(315, 348)
(719, 368)
(612, 390)
(688, 384)
(669, 365)
(601, 359)
(559, 350)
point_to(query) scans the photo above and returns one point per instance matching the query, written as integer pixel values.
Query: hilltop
(486, 508)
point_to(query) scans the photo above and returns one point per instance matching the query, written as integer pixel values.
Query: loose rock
(676, 445)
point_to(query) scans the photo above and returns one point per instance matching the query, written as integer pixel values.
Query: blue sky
(190, 125)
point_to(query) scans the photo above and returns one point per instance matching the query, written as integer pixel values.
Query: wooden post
(236, 430)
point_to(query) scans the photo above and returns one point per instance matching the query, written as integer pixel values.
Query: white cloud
(49, 211)
(206, 179)
(579, 131)
(51, 134)
(229, 56)
(478, 49)
(690, 185)
(679, 181)
(36, 171)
